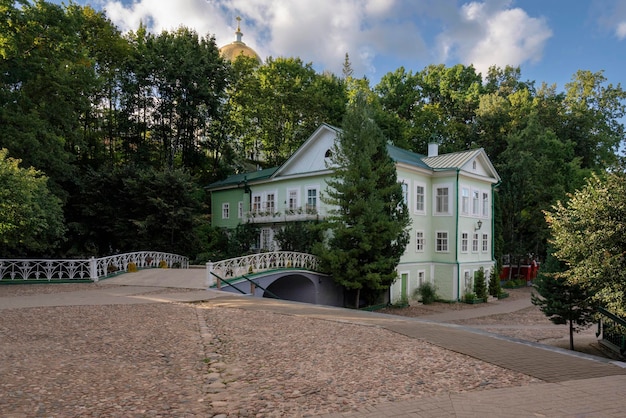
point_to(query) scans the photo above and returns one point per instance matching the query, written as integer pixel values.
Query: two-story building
(450, 198)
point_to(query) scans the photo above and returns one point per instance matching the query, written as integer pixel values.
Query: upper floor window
(485, 243)
(420, 198)
(311, 199)
(465, 196)
(442, 200)
(475, 201)
(485, 204)
(292, 199)
(270, 203)
(464, 242)
(225, 210)
(240, 210)
(475, 243)
(405, 193)
(441, 244)
(256, 203)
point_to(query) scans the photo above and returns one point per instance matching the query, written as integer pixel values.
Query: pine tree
(480, 286)
(563, 302)
(494, 282)
(368, 230)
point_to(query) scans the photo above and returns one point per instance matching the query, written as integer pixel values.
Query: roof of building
(400, 155)
(243, 178)
(234, 49)
(452, 160)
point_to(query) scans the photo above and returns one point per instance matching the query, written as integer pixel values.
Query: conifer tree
(480, 286)
(368, 230)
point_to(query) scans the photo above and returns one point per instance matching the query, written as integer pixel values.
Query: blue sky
(549, 39)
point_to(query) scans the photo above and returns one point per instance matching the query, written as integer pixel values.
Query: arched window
(328, 154)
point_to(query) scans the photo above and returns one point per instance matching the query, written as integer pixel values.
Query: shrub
(132, 267)
(427, 293)
(469, 297)
(162, 264)
(480, 287)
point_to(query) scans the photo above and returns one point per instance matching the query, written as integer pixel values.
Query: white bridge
(91, 269)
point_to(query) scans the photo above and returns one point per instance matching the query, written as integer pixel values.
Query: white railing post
(209, 277)
(93, 269)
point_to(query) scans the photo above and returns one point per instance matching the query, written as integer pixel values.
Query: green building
(450, 198)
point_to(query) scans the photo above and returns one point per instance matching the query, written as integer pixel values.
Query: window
(419, 241)
(485, 243)
(420, 198)
(442, 200)
(421, 277)
(267, 239)
(475, 201)
(465, 194)
(464, 242)
(256, 203)
(270, 203)
(442, 242)
(311, 199)
(468, 280)
(240, 210)
(485, 204)
(292, 200)
(475, 243)
(405, 193)
(225, 210)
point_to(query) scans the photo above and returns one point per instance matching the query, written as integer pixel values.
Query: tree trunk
(358, 297)
(571, 335)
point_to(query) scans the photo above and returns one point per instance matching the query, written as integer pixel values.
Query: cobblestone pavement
(215, 359)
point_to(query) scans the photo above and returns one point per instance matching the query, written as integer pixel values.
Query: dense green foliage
(31, 218)
(589, 236)
(368, 231)
(87, 107)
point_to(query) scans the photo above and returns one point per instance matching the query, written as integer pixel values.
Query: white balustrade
(86, 269)
(249, 264)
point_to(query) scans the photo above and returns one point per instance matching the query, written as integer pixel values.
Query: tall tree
(589, 236)
(31, 218)
(368, 230)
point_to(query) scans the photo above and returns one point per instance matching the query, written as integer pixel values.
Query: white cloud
(373, 32)
(620, 31)
(492, 33)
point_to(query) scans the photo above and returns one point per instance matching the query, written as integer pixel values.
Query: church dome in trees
(237, 48)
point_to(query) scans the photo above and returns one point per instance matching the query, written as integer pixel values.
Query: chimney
(433, 149)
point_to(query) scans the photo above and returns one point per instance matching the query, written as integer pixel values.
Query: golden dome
(237, 48)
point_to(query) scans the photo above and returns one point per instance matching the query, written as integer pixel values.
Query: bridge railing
(254, 263)
(86, 269)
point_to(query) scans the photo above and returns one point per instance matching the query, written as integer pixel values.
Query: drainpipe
(456, 240)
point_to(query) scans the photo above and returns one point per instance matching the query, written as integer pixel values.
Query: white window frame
(465, 200)
(485, 204)
(485, 245)
(475, 242)
(317, 197)
(266, 239)
(257, 203)
(225, 210)
(421, 277)
(419, 241)
(406, 185)
(267, 207)
(418, 195)
(475, 202)
(296, 201)
(464, 242)
(445, 202)
(239, 210)
(442, 242)
(468, 279)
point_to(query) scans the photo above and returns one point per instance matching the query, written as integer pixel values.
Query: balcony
(306, 213)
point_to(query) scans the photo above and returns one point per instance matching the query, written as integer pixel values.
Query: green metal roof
(400, 155)
(240, 179)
